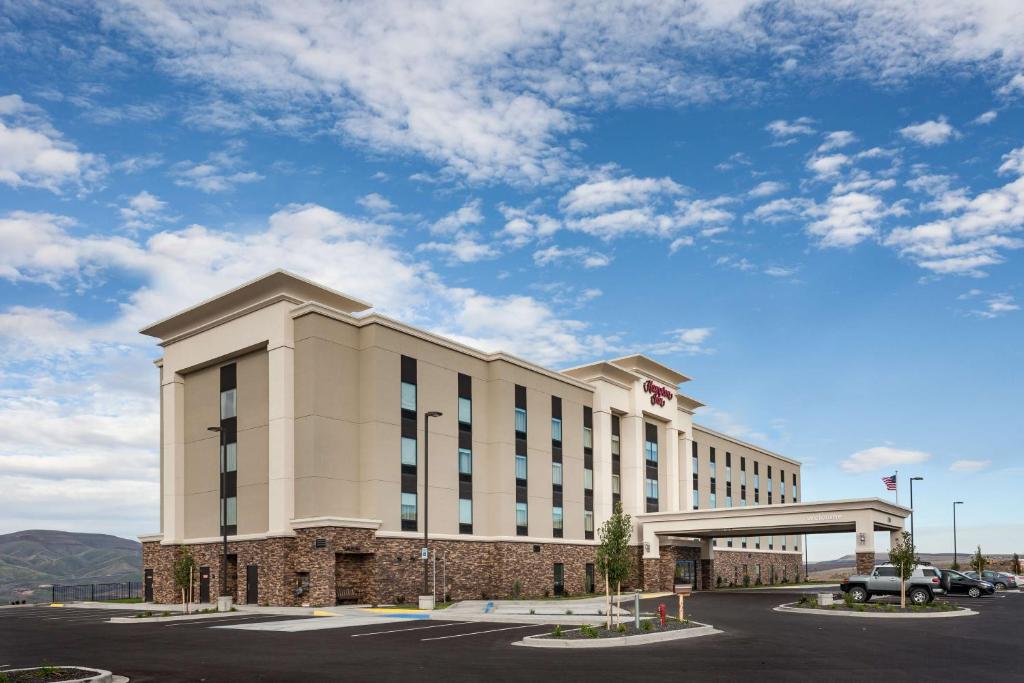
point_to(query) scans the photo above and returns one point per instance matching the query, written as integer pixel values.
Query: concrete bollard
(825, 599)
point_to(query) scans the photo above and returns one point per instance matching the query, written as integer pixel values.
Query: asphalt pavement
(757, 644)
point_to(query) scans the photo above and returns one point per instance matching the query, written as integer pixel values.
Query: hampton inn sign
(659, 394)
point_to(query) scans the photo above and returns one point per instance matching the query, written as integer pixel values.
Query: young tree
(1016, 563)
(978, 561)
(903, 556)
(184, 567)
(614, 558)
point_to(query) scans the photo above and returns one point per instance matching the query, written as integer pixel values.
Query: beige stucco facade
(320, 433)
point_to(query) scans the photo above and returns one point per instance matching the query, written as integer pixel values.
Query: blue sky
(814, 211)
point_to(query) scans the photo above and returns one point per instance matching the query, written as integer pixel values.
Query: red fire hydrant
(661, 614)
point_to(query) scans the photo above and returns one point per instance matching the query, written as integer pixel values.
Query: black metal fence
(97, 591)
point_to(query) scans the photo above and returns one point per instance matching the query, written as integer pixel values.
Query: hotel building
(322, 487)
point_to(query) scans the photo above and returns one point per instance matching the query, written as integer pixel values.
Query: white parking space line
(403, 630)
(220, 620)
(478, 633)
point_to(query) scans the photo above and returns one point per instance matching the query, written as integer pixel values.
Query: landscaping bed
(647, 626)
(46, 674)
(811, 603)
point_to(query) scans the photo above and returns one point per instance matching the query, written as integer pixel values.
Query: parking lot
(757, 643)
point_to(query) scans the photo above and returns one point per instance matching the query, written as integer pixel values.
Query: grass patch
(124, 601)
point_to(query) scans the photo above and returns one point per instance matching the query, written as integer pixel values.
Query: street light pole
(956, 558)
(912, 515)
(426, 493)
(223, 515)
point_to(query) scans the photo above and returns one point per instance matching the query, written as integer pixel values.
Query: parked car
(921, 587)
(1001, 580)
(962, 583)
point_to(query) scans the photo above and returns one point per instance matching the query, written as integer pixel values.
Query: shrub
(568, 611)
(718, 581)
(848, 599)
(588, 631)
(622, 628)
(557, 633)
(746, 580)
(4, 678)
(646, 625)
(516, 589)
(860, 608)
(533, 611)
(803, 600)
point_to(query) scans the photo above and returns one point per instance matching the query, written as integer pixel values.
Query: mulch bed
(41, 675)
(601, 632)
(881, 607)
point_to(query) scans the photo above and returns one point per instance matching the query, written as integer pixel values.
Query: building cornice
(738, 442)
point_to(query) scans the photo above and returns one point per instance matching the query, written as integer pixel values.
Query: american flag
(890, 482)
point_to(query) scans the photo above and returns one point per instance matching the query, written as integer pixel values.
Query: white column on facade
(685, 482)
(672, 457)
(602, 466)
(281, 438)
(172, 475)
(631, 461)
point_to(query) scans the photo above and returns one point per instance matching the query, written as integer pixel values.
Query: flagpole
(897, 482)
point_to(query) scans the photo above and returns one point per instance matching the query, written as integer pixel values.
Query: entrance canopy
(862, 516)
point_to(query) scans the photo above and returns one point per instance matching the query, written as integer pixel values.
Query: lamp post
(956, 558)
(912, 515)
(223, 515)
(426, 491)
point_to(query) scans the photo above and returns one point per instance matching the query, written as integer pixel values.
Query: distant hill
(29, 559)
(845, 565)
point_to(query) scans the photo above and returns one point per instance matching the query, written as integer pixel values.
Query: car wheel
(859, 594)
(920, 596)
(1000, 586)
(974, 592)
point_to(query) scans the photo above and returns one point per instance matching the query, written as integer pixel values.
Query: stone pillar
(865, 545)
(707, 565)
(672, 473)
(281, 438)
(172, 466)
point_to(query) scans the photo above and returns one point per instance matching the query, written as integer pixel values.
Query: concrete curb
(174, 617)
(962, 612)
(621, 641)
(98, 675)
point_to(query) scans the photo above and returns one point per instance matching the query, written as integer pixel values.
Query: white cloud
(848, 219)
(523, 226)
(1015, 86)
(375, 203)
(767, 189)
(969, 466)
(997, 305)
(786, 132)
(581, 255)
(33, 154)
(599, 196)
(679, 243)
(930, 133)
(466, 215)
(144, 212)
(780, 271)
(465, 247)
(690, 341)
(836, 140)
(880, 458)
(827, 166)
(985, 118)
(1013, 162)
(221, 171)
(974, 232)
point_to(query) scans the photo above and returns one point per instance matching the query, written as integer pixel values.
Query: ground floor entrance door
(148, 590)
(204, 584)
(685, 573)
(252, 584)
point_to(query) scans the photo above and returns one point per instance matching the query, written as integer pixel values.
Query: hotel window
(557, 521)
(588, 472)
(521, 420)
(795, 540)
(743, 543)
(408, 460)
(713, 473)
(771, 542)
(696, 499)
(616, 463)
(757, 542)
(520, 468)
(728, 467)
(652, 490)
(465, 389)
(651, 465)
(229, 455)
(782, 486)
(757, 485)
(651, 448)
(743, 478)
(408, 451)
(522, 519)
(714, 500)
(769, 484)
(556, 429)
(556, 474)
(408, 508)
(728, 501)
(794, 487)
(783, 542)
(693, 465)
